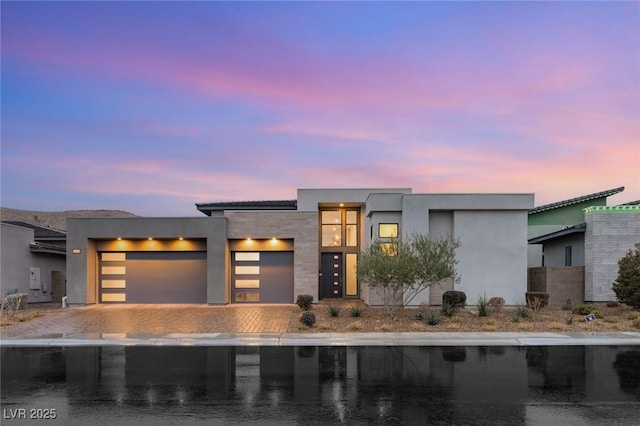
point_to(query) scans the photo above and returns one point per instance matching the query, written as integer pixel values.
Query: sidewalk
(234, 325)
(331, 339)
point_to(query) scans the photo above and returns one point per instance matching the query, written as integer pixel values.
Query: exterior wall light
(76, 251)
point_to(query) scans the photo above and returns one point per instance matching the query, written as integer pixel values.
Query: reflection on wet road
(321, 385)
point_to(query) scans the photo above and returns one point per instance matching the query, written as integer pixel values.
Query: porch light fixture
(181, 238)
(150, 238)
(76, 251)
(119, 238)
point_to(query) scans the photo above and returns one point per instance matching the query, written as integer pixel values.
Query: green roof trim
(612, 208)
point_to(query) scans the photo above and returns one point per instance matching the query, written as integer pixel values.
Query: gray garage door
(262, 277)
(154, 277)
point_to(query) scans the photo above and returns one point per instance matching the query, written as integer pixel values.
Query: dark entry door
(331, 280)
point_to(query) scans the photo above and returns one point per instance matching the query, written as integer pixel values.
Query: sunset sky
(152, 107)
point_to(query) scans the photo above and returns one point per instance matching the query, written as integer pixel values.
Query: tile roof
(576, 200)
(40, 232)
(39, 247)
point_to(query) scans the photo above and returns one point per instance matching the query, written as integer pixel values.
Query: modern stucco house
(32, 261)
(273, 251)
(580, 242)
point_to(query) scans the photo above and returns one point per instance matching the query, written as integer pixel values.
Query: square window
(388, 230)
(331, 217)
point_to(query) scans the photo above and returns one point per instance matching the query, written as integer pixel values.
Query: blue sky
(151, 107)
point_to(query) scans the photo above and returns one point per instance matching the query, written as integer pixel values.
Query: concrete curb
(332, 339)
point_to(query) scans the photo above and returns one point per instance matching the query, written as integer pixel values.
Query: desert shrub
(449, 310)
(421, 312)
(636, 323)
(333, 310)
(627, 285)
(613, 304)
(304, 301)
(308, 318)
(531, 297)
(432, 318)
(585, 309)
(455, 298)
(633, 315)
(496, 303)
(355, 312)
(568, 317)
(483, 307)
(567, 305)
(519, 313)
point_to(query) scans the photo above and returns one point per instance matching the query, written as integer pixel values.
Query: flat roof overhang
(208, 208)
(576, 229)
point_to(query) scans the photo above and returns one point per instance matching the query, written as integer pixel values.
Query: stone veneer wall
(610, 234)
(562, 283)
(302, 227)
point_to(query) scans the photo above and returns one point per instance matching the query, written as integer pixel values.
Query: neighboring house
(562, 216)
(580, 256)
(33, 261)
(273, 251)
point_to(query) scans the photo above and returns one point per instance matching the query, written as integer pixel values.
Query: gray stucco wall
(82, 233)
(493, 254)
(609, 235)
(492, 229)
(17, 259)
(302, 227)
(554, 251)
(308, 199)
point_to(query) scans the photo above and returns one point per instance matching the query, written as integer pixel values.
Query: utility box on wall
(34, 278)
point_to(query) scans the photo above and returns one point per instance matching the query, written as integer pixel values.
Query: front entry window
(352, 228)
(339, 228)
(331, 228)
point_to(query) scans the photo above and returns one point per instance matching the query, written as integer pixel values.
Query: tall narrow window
(352, 228)
(567, 256)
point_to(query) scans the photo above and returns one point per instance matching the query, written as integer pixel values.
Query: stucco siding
(82, 234)
(493, 254)
(17, 260)
(554, 251)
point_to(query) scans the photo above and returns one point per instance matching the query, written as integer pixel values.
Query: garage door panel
(275, 278)
(162, 277)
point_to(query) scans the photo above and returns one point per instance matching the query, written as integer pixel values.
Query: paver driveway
(157, 319)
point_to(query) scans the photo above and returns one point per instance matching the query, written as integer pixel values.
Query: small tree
(400, 274)
(627, 286)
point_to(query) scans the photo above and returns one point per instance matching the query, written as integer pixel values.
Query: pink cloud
(313, 79)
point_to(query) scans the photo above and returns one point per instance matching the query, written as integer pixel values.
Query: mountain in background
(56, 220)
